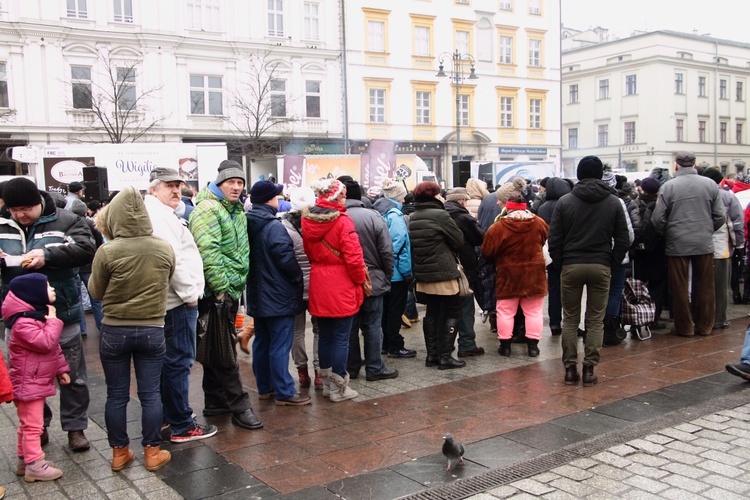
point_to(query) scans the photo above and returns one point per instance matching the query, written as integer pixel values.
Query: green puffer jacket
(131, 272)
(220, 231)
(435, 239)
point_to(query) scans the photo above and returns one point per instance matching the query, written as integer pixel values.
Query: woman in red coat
(514, 243)
(337, 273)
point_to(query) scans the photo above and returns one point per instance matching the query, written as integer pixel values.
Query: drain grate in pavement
(464, 488)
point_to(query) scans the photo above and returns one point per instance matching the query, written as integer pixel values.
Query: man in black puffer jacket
(584, 225)
(455, 205)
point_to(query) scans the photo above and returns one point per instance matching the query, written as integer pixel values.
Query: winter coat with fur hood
(514, 244)
(335, 280)
(131, 273)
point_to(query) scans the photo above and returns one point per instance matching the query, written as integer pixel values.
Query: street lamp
(459, 64)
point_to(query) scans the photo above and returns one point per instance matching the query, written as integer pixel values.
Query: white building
(636, 101)
(394, 49)
(185, 64)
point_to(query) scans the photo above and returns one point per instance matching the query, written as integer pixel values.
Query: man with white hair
(185, 288)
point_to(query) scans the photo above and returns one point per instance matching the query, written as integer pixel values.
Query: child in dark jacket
(35, 361)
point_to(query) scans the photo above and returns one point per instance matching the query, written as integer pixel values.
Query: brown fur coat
(514, 243)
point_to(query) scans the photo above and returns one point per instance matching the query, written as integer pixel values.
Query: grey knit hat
(230, 169)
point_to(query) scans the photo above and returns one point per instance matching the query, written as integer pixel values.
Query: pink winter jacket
(35, 355)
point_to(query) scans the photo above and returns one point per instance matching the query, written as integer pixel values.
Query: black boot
(504, 349)
(447, 341)
(736, 297)
(533, 346)
(571, 375)
(611, 324)
(493, 321)
(589, 378)
(519, 327)
(429, 327)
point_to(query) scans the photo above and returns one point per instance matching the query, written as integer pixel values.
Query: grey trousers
(299, 354)
(573, 277)
(74, 397)
(722, 269)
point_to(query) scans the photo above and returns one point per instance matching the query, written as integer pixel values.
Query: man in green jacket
(219, 227)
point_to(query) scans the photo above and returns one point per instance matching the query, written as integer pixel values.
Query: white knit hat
(302, 197)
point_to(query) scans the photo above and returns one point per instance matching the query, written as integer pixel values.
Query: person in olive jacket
(435, 240)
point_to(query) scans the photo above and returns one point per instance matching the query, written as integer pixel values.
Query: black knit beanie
(21, 192)
(353, 189)
(32, 289)
(590, 167)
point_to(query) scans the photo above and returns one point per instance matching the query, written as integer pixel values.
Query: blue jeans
(180, 338)
(466, 334)
(96, 306)
(745, 356)
(369, 320)
(616, 286)
(333, 346)
(411, 306)
(146, 347)
(271, 346)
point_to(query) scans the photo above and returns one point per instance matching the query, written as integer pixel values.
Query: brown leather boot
(121, 457)
(304, 377)
(156, 458)
(246, 334)
(318, 382)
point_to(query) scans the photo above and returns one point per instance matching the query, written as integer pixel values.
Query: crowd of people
(167, 274)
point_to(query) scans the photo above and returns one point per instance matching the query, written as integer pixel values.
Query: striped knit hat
(329, 189)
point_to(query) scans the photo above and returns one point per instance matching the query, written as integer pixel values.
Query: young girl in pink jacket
(35, 361)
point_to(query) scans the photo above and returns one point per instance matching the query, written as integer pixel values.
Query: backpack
(647, 238)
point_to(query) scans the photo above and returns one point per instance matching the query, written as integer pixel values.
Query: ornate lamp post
(460, 63)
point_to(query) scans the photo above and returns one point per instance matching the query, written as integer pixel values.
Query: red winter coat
(35, 355)
(6, 388)
(335, 280)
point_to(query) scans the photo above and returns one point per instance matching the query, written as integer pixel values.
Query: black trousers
(394, 303)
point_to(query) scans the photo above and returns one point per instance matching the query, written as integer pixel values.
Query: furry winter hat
(394, 189)
(329, 189)
(302, 197)
(516, 185)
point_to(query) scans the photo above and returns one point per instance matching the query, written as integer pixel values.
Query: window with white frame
(722, 89)
(738, 132)
(506, 112)
(679, 84)
(631, 85)
(702, 131)
(376, 36)
(723, 132)
(462, 42)
(312, 99)
(629, 132)
(204, 15)
(80, 80)
(77, 8)
(573, 138)
(126, 97)
(506, 50)
(423, 108)
(311, 14)
(4, 101)
(535, 53)
(535, 113)
(604, 88)
(275, 17)
(377, 105)
(278, 97)
(603, 135)
(422, 41)
(701, 86)
(679, 125)
(535, 7)
(123, 11)
(463, 110)
(573, 90)
(740, 95)
(206, 95)
(505, 5)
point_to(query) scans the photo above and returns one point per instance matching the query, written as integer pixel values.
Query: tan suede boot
(156, 458)
(121, 457)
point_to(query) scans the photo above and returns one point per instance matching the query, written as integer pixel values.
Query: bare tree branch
(118, 108)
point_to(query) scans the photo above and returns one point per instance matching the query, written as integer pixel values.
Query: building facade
(636, 101)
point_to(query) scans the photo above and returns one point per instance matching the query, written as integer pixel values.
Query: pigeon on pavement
(453, 451)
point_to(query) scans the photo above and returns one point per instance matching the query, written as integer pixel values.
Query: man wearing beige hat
(687, 212)
(455, 205)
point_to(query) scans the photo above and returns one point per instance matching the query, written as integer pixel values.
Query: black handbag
(217, 337)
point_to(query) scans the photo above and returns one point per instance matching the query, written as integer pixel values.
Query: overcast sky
(726, 19)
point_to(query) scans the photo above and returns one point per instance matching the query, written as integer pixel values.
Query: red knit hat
(329, 189)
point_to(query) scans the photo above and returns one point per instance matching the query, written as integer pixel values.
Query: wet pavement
(664, 421)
